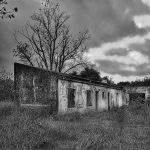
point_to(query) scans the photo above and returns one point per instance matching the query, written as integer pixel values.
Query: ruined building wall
(116, 97)
(35, 86)
(62, 93)
(139, 89)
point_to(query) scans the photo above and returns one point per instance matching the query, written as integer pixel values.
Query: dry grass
(118, 129)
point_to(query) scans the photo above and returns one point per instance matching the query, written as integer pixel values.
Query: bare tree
(47, 41)
(4, 13)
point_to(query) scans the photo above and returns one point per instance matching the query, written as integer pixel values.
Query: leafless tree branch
(49, 41)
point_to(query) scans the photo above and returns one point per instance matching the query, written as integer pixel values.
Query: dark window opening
(117, 96)
(108, 101)
(71, 98)
(103, 95)
(89, 98)
(96, 98)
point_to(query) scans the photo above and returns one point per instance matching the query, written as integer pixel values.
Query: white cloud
(147, 2)
(133, 57)
(129, 68)
(138, 57)
(117, 78)
(142, 21)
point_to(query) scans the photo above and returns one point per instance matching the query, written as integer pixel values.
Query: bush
(75, 116)
(6, 90)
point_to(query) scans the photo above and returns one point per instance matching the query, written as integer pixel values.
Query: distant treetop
(91, 74)
(143, 82)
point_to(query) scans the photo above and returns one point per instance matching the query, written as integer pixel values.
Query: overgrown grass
(6, 108)
(20, 131)
(119, 129)
(132, 121)
(36, 112)
(70, 117)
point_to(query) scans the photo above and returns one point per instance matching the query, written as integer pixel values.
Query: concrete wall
(139, 89)
(38, 86)
(81, 97)
(35, 86)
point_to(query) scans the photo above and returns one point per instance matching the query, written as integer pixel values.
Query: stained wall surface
(35, 86)
(107, 97)
(38, 86)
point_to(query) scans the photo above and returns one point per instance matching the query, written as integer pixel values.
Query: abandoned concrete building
(63, 92)
(138, 91)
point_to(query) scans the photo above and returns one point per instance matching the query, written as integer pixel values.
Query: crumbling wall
(35, 86)
(139, 89)
(81, 96)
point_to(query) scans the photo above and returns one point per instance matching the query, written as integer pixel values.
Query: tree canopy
(90, 73)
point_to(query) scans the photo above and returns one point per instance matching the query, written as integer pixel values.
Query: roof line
(69, 77)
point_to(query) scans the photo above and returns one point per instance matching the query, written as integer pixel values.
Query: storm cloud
(110, 23)
(113, 68)
(118, 52)
(107, 20)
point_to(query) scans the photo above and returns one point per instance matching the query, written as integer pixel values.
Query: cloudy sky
(120, 33)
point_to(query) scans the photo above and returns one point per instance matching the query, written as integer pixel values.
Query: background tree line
(143, 82)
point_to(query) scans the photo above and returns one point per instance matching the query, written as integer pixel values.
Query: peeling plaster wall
(81, 99)
(140, 89)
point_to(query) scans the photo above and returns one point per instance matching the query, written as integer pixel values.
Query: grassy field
(126, 128)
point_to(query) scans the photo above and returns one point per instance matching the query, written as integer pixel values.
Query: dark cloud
(143, 48)
(143, 70)
(119, 52)
(134, 7)
(106, 19)
(113, 67)
(5, 43)
(7, 27)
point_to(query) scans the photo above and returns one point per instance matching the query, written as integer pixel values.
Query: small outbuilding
(140, 91)
(64, 92)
